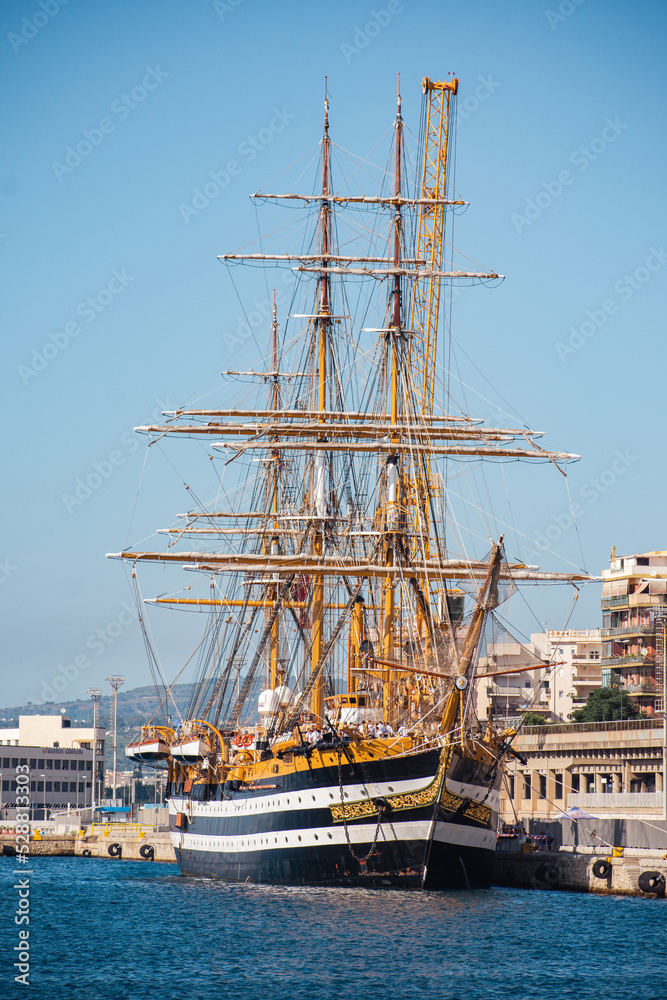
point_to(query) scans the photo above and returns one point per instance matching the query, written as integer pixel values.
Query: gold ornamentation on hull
(399, 802)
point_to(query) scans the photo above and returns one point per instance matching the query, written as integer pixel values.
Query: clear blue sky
(561, 153)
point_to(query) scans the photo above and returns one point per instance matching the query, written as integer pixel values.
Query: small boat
(153, 746)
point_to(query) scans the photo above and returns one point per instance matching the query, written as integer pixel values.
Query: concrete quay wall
(567, 871)
(155, 846)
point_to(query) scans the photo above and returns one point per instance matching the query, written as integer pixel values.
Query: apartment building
(634, 620)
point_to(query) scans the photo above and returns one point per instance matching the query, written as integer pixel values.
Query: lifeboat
(190, 748)
(151, 748)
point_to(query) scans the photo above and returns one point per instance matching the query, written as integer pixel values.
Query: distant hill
(135, 707)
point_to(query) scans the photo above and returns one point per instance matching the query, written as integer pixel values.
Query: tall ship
(331, 736)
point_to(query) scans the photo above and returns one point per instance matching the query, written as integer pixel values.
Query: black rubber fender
(85, 853)
(147, 851)
(602, 869)
(651, 882)
(549, 874)
(115, 851)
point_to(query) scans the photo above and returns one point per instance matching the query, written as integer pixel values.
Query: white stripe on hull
(445, 833)
(321, 798)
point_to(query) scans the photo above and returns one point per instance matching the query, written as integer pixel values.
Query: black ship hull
(413, 827)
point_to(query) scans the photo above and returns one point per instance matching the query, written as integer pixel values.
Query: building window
(89, 765)
(40, 786)
(56, 744)
(575, 782)
(15, 761)
(510, 786)
(32, 786)
(56, 786)
(526, 785)
(558, 785)
(58, 763)
(82, 765)
(543, 786)
(33, 763)
(49, 786)
(5, 786)
(594, 654)
(72, 786)
(65, 765)
(40, 764)
(49, 764)
(81, 786)
(5, 761)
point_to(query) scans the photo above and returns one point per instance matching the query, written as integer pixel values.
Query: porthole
(299, 798)
(315, 836)
(299, 836)
(330, 836)
(314, 798)
(390, 788)
(331, 795)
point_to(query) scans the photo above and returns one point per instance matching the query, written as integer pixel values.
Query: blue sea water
(124, 930)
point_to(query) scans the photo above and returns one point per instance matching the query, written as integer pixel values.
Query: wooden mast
(321, 330)
(391, 467)
(275, 675)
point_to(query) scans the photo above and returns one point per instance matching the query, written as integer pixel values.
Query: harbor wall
(573, 872)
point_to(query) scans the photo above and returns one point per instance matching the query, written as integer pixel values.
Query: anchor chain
(347, 835)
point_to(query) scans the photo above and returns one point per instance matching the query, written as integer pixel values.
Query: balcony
(647, 688)
(616, 800)
(627, 631)
(616, 602)
(630, 660)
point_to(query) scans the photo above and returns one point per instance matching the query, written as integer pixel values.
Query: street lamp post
(43, 777)
(95, 694)
(115, 683)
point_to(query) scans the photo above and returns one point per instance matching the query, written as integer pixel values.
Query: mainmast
(394, 337)
(321, 337)
(275, 676)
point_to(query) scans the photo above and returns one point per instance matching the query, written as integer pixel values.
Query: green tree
(533, 719)
(607, 704)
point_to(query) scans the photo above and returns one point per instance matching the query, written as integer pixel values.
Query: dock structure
(612, 771)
